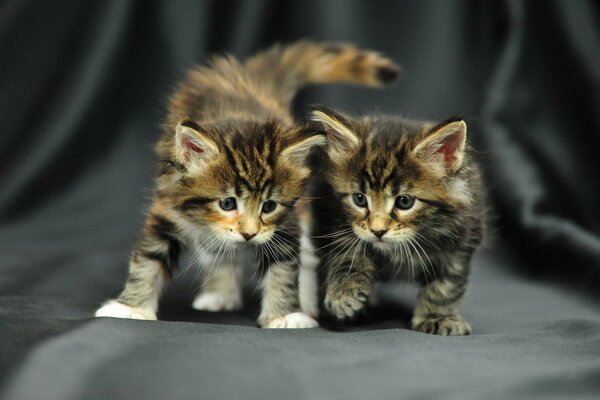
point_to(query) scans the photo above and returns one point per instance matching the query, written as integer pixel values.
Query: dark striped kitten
(400, 199)
(232, 167)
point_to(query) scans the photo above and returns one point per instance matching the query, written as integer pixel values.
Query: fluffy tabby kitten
(232, 166)
(401, 199)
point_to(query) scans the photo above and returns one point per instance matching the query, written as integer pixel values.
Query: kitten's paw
(445, 325)
(218, 301)
(345, 304)
(115, 309)
(297, 320)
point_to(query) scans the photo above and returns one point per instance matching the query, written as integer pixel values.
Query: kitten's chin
(382, 245)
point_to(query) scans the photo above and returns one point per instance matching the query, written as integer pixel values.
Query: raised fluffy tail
(287, 68)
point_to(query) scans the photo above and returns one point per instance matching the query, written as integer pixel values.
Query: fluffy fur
(399, 199)
(231, 169)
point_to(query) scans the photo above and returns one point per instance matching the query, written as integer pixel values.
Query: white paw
(297, 320)
(217, 301)
(115, 309)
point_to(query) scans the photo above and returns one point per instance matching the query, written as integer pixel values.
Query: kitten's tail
(288, 68)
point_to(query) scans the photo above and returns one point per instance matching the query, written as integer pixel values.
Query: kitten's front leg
(437, 309)
(152, 261)
(281, 302)
(350, 280)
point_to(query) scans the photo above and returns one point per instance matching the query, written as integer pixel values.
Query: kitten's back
(265, 85)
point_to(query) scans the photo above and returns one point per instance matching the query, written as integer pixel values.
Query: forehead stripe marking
(434, 203)
(388, 179)
(195, 202)
(239, 179)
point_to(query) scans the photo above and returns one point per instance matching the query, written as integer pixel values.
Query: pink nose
(248, 236)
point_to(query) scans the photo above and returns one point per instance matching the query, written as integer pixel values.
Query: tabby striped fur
(430, 243)
(229, 135)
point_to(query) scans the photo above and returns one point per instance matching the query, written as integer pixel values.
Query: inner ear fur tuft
(444, 143)
(342, 141)
(297, 152)
(192, 145)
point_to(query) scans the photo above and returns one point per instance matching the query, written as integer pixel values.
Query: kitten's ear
(192, 145)
(445, 144)
(297, 152)
(341, 140)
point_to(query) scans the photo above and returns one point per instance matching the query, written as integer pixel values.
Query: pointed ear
(297, 152)
(192, 145)
(341, 140)
(445, 144)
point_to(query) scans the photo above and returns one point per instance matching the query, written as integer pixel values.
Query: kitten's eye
(359, 199)
(268, 206)
(228, 204)
(404, 202)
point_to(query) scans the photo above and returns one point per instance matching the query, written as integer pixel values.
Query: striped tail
(287, 68)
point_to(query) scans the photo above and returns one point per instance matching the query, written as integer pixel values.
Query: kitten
(400, 199)
(231, 168)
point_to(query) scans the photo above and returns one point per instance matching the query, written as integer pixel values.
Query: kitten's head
(396, 179)
(240, 179)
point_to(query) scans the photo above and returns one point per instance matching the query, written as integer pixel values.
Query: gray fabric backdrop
(82, 89)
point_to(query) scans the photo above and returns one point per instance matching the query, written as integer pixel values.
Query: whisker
(291, 252)
(428, 259)
(356, 247)
(423, 264)
(212, 265)
(333, 234)
(411, 259)
(342, 245)
(260, 266)
(205, 254)
(427, 240)
(336, 241)
(399, 264)
(286, 240)
(343, 250)
(196, 255)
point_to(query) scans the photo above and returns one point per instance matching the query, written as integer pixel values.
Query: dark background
(83, 88)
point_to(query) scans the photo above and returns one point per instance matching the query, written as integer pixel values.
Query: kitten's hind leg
(152, 261)
(308, 279)
(222, 289)
(437, 307)
(280, 302)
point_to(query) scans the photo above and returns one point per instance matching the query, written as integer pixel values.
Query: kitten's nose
(380, 233)
(248, 236)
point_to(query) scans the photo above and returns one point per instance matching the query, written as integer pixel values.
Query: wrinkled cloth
(83, 89)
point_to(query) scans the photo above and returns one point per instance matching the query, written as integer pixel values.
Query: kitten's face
(383, 216)
(395, 179)
(240, 180)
